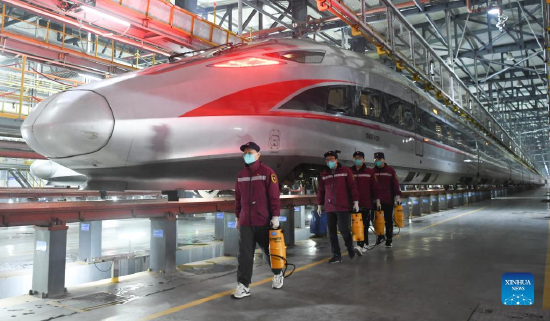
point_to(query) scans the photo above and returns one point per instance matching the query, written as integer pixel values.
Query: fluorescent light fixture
(494, 10)
(468, 161)
(105, 16)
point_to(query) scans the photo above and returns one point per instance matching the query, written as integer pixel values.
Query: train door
(419, 147)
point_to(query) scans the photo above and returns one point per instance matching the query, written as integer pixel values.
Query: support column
(426, 204)
(163, 244)
(89, 240)
(230, 235)
(50, 252)
(219, 226)
(299, 216)
(286, 220)
(115, 271)
(416, 209)
(443, 201)
(406, 203)
(450, 203)
(298, 11)
(461, 198)
(435, 203)
(455, 199)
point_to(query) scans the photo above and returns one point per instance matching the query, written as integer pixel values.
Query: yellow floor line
(546, 291)
(266, 280)
(449, 219)
(222, 294)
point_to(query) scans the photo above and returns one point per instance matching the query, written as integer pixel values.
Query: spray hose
(371, 228)
(286, 265)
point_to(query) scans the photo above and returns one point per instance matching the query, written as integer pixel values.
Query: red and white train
(178, 126)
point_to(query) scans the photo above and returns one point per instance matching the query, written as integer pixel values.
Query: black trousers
(367, 218)
(340, 220)
(388, 217)
(248, 237)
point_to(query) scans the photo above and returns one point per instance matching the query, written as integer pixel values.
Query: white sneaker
(241, 292)
(278, 281)
(358, 250)
(364, 248)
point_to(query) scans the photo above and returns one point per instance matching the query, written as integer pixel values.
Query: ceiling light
(493, 9)
(105, 16)
(509, 56)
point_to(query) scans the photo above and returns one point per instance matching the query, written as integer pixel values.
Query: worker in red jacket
(388, 193)
(367, 186)
(257, 205)
(336, 188)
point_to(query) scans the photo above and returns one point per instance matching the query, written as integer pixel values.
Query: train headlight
(246, 62)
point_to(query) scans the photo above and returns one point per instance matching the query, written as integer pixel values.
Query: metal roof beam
(522, 98)
(529, 44)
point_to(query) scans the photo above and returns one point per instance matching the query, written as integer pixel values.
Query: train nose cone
(43, 169)
(72, 123)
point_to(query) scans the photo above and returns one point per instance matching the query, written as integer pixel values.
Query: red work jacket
(388, 185)
(257, 196)
(367, 186)
(337, 189)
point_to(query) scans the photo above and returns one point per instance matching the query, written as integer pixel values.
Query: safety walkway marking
(546, 290)
(305, 267)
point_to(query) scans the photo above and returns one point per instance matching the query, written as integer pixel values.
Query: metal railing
(24, 88)
(394, 36)
(179, 19)
(64, 38)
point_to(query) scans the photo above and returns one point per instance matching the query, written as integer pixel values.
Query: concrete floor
(445, 266)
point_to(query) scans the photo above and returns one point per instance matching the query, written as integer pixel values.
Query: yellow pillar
(22, 89)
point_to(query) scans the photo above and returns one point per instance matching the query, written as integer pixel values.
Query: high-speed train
(179, 126)
(55, 174)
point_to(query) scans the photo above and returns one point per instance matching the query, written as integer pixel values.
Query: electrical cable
(112, 262)
(59, 82)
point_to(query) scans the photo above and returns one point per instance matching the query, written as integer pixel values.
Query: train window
(371, 104)
(409, 116)
(429, 123)
(439, 131)
(459, 139)
(395, 109)
(449, 135)
(337, 100)
(302, 56)
(312, 100)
